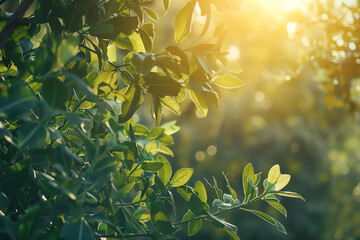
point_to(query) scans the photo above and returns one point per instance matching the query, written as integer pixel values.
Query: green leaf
(143, 62)
(142, 214)
(262, 215)
(219, 192)
(275, 204)
(175, 50)
(194, 227)
(103, 29)
(165, 150)
(283, 180)
(268, 218)
(196, 205)
(274, 174)
(181, 177)
(55, 92)
(166, 4)
(151, 13)
(156, 132)
(200, 189)
(81, 84)
(280, 227)
(231, 190)
(79, 230)
(28, 224)
(231, 234)
(136, 42)
(289, 194)
(152, 147)
(220, 204)
(158, 211)
(221, 223)
(228, 81)
(134, 99)
(9, 227)
(151, 166)
(185, 191)
(165, 227)
(162, 86)
(183, 20)
(170, 127)
(32, 135)
(157, 110)
(170, 103)
(248, 174)
(200, 101)
(18, 100)
(166, 171)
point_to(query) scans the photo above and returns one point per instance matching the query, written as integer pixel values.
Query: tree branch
(13, 22)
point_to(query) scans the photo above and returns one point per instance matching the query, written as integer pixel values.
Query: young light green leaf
(289, 194)
(248, 173)
(187, 216)
(231, 190)
(152, 147)
(228, 81)
(278, 206)
(283, 180)
(166, 4)
(181, 177)
(151, 13)
(183, 20)
(200, 188)
(166, 171)
(137, 43)
(194, 227)
(170, 103)
(274, 174)
(200, 101)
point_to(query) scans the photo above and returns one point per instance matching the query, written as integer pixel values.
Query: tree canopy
(74, 164)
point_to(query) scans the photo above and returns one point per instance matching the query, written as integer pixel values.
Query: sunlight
(234, 53)
(289, 5)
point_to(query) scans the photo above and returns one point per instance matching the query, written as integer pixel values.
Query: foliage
(73, 163)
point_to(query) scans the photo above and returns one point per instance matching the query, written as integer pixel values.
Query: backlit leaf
(183, 20)
(283, 180)
(228, 81)
(194, 227)
(181, 177)
(274, 174)
(166, 171)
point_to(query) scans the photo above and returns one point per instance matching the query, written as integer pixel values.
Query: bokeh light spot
(200, 156)
(211, 150)
(234, 53)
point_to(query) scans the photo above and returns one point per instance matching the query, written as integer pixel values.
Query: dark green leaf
(79, 230)
(55, 92)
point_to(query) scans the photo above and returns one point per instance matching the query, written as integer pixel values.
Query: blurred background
(298, 108)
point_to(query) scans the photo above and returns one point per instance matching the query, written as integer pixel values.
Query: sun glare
(289, 5)
(234, 53)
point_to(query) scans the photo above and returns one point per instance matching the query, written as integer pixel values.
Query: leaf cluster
(74, 165)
